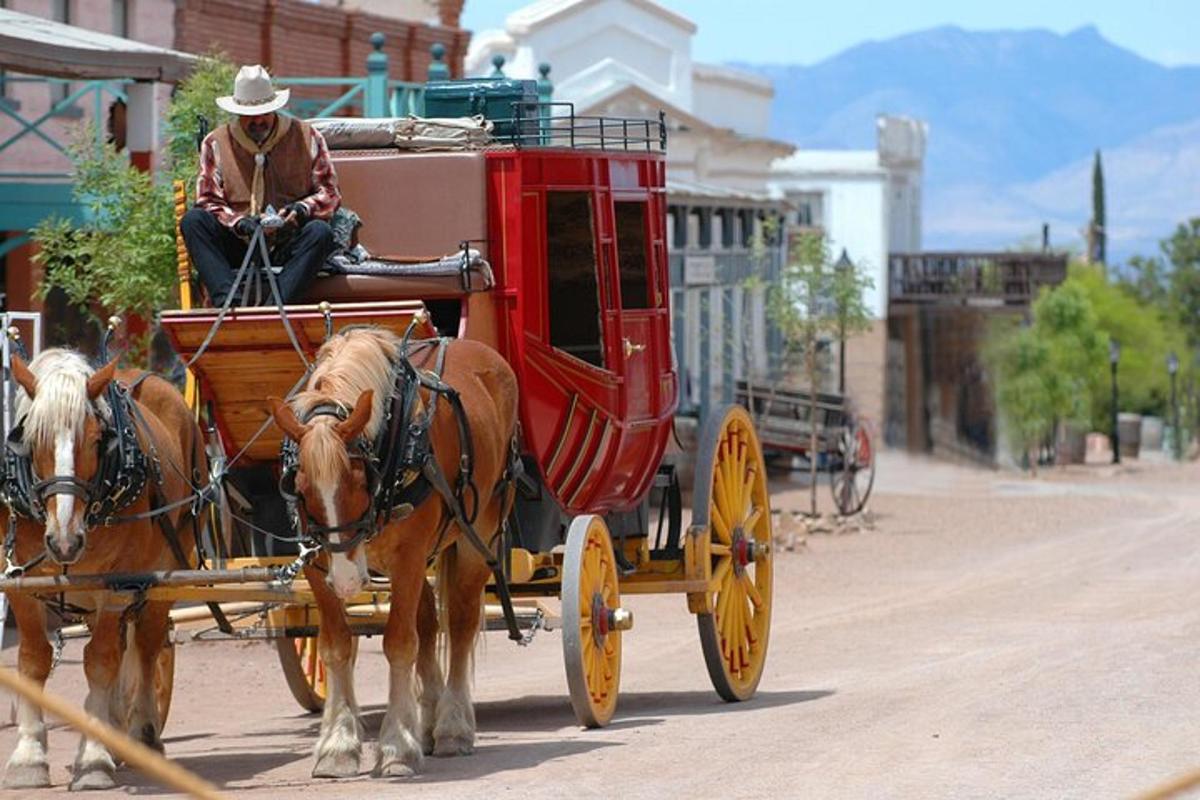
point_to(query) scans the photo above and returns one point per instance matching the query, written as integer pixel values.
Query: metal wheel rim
(735, 635)
(592, 660)
(851, 485)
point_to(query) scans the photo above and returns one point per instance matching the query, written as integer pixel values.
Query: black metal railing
(557, 125)
(972, 278)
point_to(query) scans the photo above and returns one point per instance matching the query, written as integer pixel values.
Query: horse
(336, 485)
(98, 514)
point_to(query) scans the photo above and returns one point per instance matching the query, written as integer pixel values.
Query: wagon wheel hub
(608, 619)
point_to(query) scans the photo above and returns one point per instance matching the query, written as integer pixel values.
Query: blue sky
(797, 31)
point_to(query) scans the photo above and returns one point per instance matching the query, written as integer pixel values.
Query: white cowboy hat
(253, 93)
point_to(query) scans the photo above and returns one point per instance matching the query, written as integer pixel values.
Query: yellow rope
(1173, 787)
(133, 752)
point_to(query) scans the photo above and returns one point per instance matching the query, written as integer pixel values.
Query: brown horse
(67, 419)
(343, 406)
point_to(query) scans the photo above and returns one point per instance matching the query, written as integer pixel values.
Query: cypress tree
(1099, 233)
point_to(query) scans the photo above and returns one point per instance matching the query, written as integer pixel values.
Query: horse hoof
(336, 765)
(92, 779)
(396, 769)
(149, 737)
(451, 746)
(27, 776)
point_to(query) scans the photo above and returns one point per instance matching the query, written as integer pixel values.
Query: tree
(815, 302)
(121, 258)
(1182, 251)
(1098, 234)
(1045, 370)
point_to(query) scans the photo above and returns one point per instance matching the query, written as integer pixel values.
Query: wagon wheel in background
(732, 501)
(853, 472)
(304, 669)
(592, 621)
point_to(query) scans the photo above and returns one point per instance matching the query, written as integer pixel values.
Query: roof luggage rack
(557, 125)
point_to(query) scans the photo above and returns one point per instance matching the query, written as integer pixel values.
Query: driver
(260, 160)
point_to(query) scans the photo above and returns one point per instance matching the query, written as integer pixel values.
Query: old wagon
(547, 243)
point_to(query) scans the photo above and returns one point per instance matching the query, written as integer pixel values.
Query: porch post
(376, 101)
(141, 117)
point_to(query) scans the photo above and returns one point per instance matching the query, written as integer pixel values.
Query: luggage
(501, 100)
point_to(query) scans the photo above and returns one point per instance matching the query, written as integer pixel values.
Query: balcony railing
(45, 126)
(978, 279)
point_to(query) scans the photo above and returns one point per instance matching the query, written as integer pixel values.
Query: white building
(868, 202)
(633, 58)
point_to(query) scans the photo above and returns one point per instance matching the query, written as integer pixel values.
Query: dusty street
(994, 636)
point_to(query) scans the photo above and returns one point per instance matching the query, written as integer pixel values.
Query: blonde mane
(347, 365)
(61, 400)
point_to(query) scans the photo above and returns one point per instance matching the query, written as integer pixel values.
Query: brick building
(294, 38)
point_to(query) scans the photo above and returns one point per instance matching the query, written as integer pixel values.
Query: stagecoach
(548, 243)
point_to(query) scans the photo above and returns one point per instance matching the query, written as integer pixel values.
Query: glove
(300, 212)
(246, 226)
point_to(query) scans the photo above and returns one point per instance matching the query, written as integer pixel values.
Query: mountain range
(1014, 119)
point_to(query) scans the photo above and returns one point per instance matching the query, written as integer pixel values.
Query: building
(294, 38)
(633, 58)
(868, 205)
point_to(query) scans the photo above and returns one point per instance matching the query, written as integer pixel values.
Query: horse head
(63, 433)
(334, 487)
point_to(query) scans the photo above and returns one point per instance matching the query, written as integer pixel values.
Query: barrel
(1130, 428)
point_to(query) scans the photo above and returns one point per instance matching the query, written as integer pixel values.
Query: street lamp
(1172, 369)
(1114, 355)
(843, 266)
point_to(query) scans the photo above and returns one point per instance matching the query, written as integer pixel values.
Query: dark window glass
(631, 254)
(573, 296)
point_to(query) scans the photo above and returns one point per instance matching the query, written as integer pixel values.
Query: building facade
(293, 38)
(868, 205)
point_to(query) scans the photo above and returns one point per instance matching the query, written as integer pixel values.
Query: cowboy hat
(253, 93)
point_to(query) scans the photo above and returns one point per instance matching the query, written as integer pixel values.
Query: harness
(120, 475)
(402, 471)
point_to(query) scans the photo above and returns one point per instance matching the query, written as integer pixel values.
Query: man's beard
(259, 131)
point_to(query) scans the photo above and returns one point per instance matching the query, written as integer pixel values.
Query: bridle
(360, 530)
(120, 477)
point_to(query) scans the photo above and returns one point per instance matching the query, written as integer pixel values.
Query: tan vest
(287, 174)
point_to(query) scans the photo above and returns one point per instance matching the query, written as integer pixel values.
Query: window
(574, 297)
(631, 255)
(810, 209)
(120, 18)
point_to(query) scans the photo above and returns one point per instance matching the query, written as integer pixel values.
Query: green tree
(815, 302)
(1099, 232)
(1044, 371)
(121, 258)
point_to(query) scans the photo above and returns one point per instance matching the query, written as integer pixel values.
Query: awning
(39, 46)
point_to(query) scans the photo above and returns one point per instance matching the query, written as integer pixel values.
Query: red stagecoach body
(579, 306)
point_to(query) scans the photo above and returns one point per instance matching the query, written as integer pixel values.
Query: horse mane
(61, 400)
(347, 365)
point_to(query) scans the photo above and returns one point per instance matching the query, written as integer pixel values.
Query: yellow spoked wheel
(592, 621)
(732, 501)
(305, 671)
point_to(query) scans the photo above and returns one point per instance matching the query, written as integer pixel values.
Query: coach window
(631, 254)
(574, 298)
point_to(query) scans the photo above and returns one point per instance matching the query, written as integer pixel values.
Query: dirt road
(993, 637)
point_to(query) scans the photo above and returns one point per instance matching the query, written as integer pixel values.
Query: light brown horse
(65, 413)
(354, 371)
